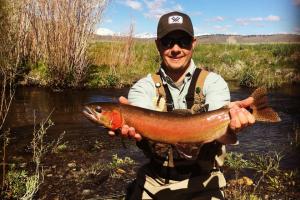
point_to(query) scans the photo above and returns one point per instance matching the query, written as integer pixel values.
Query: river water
(32, 105)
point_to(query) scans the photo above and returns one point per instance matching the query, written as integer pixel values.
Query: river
(88, 143)
(66, 109)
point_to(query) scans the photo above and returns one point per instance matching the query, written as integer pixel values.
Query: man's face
(176, 50)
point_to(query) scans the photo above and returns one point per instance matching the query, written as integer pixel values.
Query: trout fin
(260, 108)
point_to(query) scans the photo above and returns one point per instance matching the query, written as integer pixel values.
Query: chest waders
(195, 102)
(166, 162)
(179, 155)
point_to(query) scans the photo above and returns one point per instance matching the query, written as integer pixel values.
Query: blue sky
(245, 17)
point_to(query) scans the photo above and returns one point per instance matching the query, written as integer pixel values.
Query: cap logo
(175, 19)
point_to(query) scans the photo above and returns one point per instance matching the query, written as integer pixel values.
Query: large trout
(172, 127)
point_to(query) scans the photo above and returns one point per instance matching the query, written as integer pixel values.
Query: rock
(246, 181)
(86, 192)
(23, 165)
(72, 165)
(120, 171)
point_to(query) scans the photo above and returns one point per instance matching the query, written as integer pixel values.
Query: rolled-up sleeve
(216, 91)
(142, 93)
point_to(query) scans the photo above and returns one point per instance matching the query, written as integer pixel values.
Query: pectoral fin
(228, 138)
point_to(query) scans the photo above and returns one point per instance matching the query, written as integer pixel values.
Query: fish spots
(222, 116)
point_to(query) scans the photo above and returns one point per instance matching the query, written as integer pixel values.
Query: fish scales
(171, 127)
(175, 128)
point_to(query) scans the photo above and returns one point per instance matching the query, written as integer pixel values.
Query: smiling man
(182, 171)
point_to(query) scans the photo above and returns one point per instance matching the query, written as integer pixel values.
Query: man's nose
(176, 48)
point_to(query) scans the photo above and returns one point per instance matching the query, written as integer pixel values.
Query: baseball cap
(174, 21)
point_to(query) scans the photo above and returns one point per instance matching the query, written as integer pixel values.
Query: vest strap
(191, 91)
(195, 88)
(201, 79)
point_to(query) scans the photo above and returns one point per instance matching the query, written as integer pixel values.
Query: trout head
(105, 114)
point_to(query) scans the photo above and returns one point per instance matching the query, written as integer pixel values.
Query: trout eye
(98, 109)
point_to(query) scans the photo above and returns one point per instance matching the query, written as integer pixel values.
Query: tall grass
(268, 181)
(59, 33)
(120, 62)
(49, 38)
(11, 52)
(24, 184)
(269, 65)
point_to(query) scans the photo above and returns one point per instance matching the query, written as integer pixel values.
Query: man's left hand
(240, 117)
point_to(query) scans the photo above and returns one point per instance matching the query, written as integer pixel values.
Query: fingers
(235, 123)
(240, 118)
(123, 100)
(242, 104)
(127, 132)
(250, 117)
(246, 102)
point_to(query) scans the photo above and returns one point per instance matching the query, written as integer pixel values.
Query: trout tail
(260, 107)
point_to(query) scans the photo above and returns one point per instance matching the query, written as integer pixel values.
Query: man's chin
(176, 65)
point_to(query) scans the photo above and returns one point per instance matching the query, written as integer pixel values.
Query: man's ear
(194, 42)
(157, 43)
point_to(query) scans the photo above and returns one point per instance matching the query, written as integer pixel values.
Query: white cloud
(157, 8)
(107, 20)
(104, 31)
(145, 35)
(216, 19)
(272, 18)
(219, 18)
(154, 5)
(196, 13)
(178, 7)
(135, 5)
(247, 21)
(222, 28)
(256, 19)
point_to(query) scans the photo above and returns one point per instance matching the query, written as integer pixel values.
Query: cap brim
(166, 32)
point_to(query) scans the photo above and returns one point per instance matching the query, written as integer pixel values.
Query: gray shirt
(215, 90)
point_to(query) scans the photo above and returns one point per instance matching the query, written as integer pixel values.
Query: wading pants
(148, 185)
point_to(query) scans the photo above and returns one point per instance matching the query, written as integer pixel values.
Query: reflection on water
(67, 106)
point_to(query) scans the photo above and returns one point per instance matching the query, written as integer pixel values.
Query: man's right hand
(127, 131)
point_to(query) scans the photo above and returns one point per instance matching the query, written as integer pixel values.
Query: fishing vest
(209, 155)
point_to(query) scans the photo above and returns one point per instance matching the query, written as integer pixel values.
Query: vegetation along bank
(119, 63)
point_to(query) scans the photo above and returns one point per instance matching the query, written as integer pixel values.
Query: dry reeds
(12, 37)
(60, 30)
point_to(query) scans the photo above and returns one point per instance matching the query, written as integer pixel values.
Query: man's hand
(240, 117)
(127, 131)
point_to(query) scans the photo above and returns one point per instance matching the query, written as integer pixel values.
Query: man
(182, 171)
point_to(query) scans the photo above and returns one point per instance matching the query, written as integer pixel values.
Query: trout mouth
(91, 114)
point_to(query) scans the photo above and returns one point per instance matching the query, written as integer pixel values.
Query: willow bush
(60, 30)
(13, 33)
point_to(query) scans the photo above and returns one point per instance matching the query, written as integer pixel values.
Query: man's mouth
(176, 58)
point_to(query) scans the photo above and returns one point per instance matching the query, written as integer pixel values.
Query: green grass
(121, 62)
(114, 64)
(269, 65)
(268, 178)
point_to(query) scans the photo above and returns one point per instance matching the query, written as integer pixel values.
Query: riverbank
(120, 63)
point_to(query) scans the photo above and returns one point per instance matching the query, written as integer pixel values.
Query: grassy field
(120, 63)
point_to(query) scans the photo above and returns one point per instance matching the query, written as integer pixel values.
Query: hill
(232, 39)
(219, 38)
